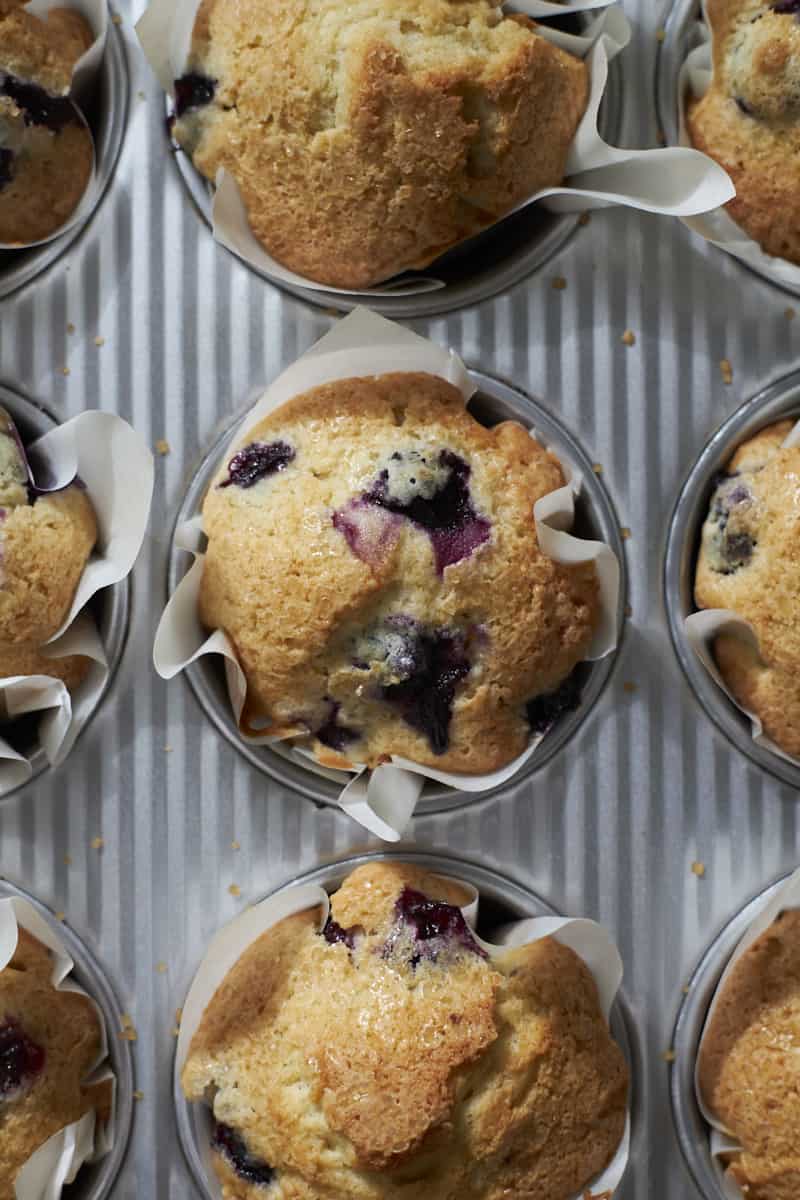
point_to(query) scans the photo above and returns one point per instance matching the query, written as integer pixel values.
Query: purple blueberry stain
(21, 1060)
(433, 927)
(431, 490)
(258, 460)
(335, 935)
(334, 735)
(543, 711)
(38, 107)
(784, 7)
(7, 164)
(730, 548)
(231, 1146)
(193, 91)
(370, 532)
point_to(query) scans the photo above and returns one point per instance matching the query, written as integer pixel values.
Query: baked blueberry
(193, 91)
(431, 664)
(6, 166)
(332, 734)
(230, 1144)
(37, 106)
(256, 462)
(543, 711)
(21, 1060)
(335, 934)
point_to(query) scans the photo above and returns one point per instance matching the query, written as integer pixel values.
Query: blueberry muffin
(45, 543)
(749, 562)
(46, 150)
(372, 555)
(368, 138)
(49, 1041)
(386, 1057)
(749, 1068)
(749, 120)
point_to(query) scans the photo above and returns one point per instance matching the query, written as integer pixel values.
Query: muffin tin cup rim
(213, 699)
(521, 901)
(20, 265)
(779, 399)
(670, 57)
(691, 1130)
(90, 974)
(113, 602)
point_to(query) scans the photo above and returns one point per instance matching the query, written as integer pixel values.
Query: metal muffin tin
(486, 265)
(494, 401)
(106, 113)
(94, 1180)
(690, 1125)
(780, 400)
(673, 50)
(109, 607)
(502, 900)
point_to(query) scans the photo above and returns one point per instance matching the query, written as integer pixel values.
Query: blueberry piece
(20, 1059)
(737, 550)
(434, 927)
(256, 461)
(231, 1144)
(786, 6)
(543, 711)
(7, 158)
(333, 734)
(38, 107)
(193, 91)
(744, 106)
(334, 934)
(436, 663)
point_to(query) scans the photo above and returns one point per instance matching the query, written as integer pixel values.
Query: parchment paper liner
(704, 626)
(58, 1161)
(717, 226)
(590, 941)
(117, 469)
(96, 13)
(363, 344)
(673, 181)
(721, 1141)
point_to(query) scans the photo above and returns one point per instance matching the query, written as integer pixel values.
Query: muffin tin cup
(774, 403)
(495, 401)
(104, 105)
(684, 33)
(105, 615)
(95, 1180)
(502, 902)
(691, 1125)
(483, 266)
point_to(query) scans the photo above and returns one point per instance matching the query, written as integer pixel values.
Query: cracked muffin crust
(368, 138)
(45, 543)
(49, 1040)
(372, 555)
(749, 562)
(46, 151)
(748, 1067)
(384, 1056)
(749, 119)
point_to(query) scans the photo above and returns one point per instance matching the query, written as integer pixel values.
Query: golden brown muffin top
(749, 1066)
(49, 1041)
(378, 1058)
(42, 51)
(368, 138)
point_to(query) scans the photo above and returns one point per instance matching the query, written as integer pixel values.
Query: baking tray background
(610, 828)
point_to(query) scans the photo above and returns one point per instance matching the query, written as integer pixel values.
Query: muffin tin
(157, 830)
(109, 607)
(95, 1180)
(495, 401)
(501, 902)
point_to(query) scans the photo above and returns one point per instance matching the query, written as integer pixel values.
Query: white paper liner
(717, 226)
(117, 468)
(382, 800)
(59, 1159)
(590, 941)
(704, 626)
(673, 182)
(721, 1140)
(96, 14)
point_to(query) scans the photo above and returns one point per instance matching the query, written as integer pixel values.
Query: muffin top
(372, 555)
(368, 138)
(749, 120)
(749, 1067)
(45, 543)
(749, 562)
(385, 1056)
(41, 51)
(49, 1041)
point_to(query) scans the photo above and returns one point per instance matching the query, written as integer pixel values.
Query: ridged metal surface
(609, 828)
